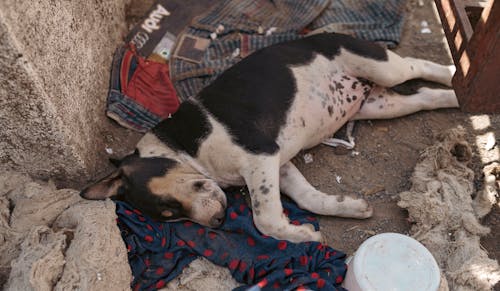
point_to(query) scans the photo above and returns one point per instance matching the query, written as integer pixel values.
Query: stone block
(54, 74)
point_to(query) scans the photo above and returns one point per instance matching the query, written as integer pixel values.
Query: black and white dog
(246, 126)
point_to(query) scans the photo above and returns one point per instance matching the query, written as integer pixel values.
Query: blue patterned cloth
(158, 251)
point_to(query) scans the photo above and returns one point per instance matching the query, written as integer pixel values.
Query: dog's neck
(151, 146)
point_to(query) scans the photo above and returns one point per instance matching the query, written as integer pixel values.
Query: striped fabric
(246, 22)
(379, 21)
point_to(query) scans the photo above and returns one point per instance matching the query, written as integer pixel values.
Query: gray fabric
(379, 21)
(246, 22)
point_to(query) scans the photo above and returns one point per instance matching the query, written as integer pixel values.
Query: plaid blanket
(158, 251)
(244, 26)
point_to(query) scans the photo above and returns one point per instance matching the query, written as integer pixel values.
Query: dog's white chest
(327, 97)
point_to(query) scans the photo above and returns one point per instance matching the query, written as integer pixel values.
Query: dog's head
(162, 188)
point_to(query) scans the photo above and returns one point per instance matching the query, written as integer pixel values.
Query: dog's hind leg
(262, 178)
(294, 185)
(386, 104)
(395, 69)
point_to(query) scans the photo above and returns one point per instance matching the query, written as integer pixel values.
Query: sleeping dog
(245, 127)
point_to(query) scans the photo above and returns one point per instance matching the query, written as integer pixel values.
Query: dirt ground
(389, 149)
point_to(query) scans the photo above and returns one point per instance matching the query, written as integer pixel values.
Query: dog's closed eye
(198, 186)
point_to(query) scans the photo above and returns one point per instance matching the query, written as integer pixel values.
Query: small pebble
(308, 158)
(490, 142)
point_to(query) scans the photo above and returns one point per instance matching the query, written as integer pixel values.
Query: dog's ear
(108, 187)
(118, 162)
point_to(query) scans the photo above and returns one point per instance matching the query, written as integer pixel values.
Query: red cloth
(150, 86)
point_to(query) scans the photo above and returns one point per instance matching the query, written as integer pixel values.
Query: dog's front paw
(290, 232)
(308, 233)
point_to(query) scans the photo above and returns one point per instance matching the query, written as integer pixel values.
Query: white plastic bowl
(392, 261)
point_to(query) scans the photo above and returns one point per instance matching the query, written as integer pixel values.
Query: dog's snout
(217, 219)
(219, 196)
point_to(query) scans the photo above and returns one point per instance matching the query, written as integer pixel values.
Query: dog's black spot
(303, 122)
(362, 103)
(330, 110)
(338, 86)
(348, 100)
(332, 89)
(354, 97)
(264, 189)
(365, 82)
(187, 128)
(353, 86)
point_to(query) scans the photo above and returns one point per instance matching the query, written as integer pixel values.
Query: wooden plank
(476, 54)
(464, 23)
(457, 40)
(478, 90)
(475, 3)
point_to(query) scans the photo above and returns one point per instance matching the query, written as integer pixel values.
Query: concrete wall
(55, 59)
